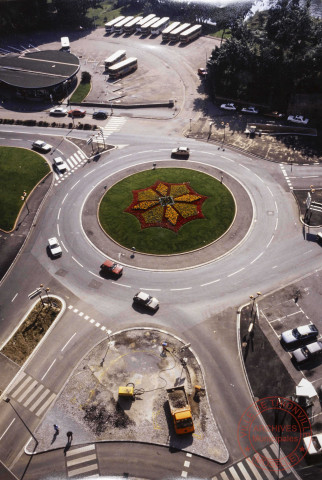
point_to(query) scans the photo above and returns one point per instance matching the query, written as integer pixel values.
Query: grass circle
(124, 228)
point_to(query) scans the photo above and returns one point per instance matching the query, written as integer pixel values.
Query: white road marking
(307, 252)
(75, 184)
(276, 224)
(259, 178)
(240, 270)
(64, 198)
(275, 266)
(270, 241)
(58, 214)
(64, 246)
(186, 464)
(58, 230)
(14, 297)
(240, 164)
(226, 158)
(7, 429)
(151, 289)
(77, 262)
(68, 342)
(180, 289)
(48, 370)
(122, 285)
(209, 283)
(95, 275)
(270, 191)
(258, 256)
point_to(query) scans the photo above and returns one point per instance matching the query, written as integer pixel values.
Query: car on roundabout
(292, 339)
(313, 444)
(58, 111)
(180, 152)
(60, 165)
(41, 146)
(310, 352)
(145, 300)
(298, 119)
(54, 247)
(249, 110)
(228, 106)
(77, 112)
(100, 115)
(111, 268)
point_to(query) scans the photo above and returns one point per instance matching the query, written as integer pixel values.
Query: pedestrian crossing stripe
(77, 457)
(31, 394)
(255, 467)
(72, 163)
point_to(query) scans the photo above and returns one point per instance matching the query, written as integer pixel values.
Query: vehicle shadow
(141, 309)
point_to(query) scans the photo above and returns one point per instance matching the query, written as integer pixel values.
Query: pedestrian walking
(56, 427)
(70, 436)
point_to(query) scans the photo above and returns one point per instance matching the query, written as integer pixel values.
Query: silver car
(292, 339)
(145, 300)
(307, 353)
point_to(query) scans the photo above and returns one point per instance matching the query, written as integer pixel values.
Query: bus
(190, 34)
(131, 26)
(174, 35)
(166, 32)
(146, 28)
(109, 26)
(65, 44)
(160, 25)
(118, 28)
(143, 21)
(122, 68)
(115, 58)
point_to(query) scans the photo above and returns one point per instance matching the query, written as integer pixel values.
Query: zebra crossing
(113, 125)
(82, 462)
(264, 465)
(91, 320)
(31, 394)
(72, 163)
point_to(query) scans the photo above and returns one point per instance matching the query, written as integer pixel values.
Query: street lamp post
(47, 290)
(190, 124)
(224, 125)
(24, 199)
(7, 400)
(254, 298)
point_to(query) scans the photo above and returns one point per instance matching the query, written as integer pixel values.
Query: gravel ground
(89, 405)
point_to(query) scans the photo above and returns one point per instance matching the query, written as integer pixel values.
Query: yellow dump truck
(180, 410)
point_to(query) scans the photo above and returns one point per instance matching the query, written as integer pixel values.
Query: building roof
(41, 69)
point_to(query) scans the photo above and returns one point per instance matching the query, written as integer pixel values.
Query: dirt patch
(32, 330)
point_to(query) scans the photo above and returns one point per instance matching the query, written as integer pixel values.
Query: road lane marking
(241, 165)
(122, 285)
(14, 297)
(180, 289)
(48, 370)
(77, 262)
(64, 246)
(240, 270)
(64, 198)
(258, 256)
(276, 224)
(75, 184)
(58, 214)
(151, 289)
(7, 429)
(58, 230)
(68, 342)
(270, 191)
(209, 283)
(95, 275)
(259, 178)
(270, 241)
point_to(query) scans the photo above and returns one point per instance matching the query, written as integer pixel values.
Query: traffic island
(118, 392)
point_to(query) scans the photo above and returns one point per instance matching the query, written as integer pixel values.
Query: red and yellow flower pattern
(167, 205)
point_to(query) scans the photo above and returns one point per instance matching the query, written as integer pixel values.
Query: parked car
(307, 353)
(77, 112)
(180, 152)
(145, 300)
(313, 444)
(58, 111)
(112, 268)
(202, 72)
(249, 110)
(228, 106)
(274, 114)
(299, 336)
(298, 119)
(41, 146)
(54, 247)
(100, 115)
(60, 165)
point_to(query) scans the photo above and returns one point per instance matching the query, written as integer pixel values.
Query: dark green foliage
(86, 77)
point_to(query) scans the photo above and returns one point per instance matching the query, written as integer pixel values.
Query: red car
(77, 113)
(111, 267)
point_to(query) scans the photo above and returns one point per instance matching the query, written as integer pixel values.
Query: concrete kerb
(119, 332)
(251, 393)
(41, 341)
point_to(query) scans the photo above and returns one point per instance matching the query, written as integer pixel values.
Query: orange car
(112, 268)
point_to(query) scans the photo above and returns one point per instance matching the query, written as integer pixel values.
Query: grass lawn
(108, 9)
(81, 92)
(218, 210)
(20, 170)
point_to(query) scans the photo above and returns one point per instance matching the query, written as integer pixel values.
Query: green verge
(124, 228)
(81, 92)
(20, 170)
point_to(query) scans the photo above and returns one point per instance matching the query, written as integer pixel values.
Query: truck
(180, 410)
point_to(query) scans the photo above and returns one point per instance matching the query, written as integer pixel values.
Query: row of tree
(270, 63)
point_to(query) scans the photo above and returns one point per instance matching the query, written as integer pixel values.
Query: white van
(65, 44)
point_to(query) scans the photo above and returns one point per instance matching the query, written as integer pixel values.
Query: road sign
(89, 141)
(34, 293)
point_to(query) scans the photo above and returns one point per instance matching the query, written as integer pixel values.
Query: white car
(249, 110)
(41, 146)
(308, 353)
(228, 106)
(54, 247)
(180, 152)
(58, 111)
(145, 300)
(60, 165)
(298, 119)
(313, 444)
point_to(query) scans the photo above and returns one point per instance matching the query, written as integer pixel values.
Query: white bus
(146, 28)
(131, 26)
(143, 21)
(65, 43)
(160, 25)
(118, 28)
(115, 58)
(190, 34)
(109, 26)
(174, 35)
(166, 32)
(119, 69)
